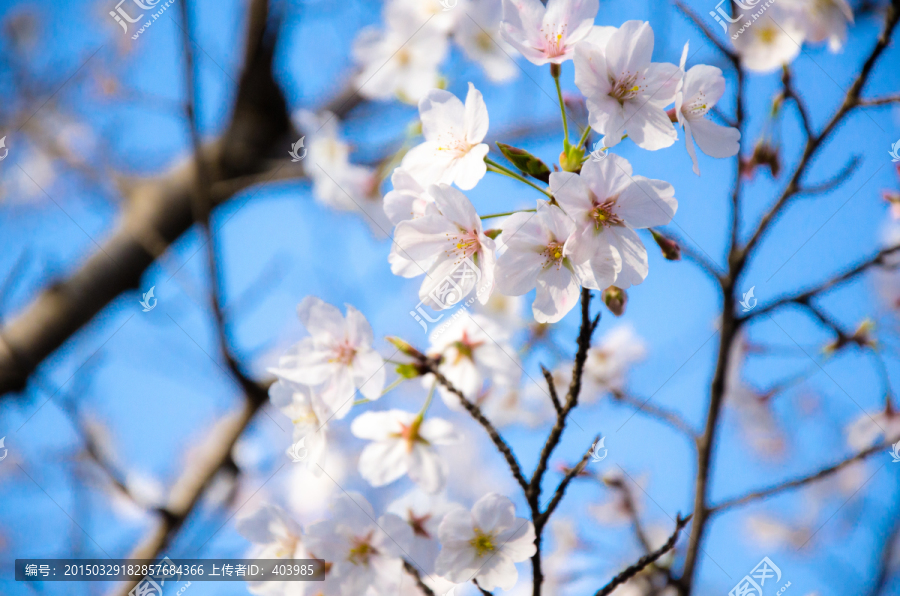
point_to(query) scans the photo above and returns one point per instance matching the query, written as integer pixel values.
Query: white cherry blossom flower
(698, 92)
(475, 35)
(298, 402)
(274, 535)
(473, 349)
(423, 513)
(608, 204)
(364, 552)
(537, 255)
(485, 544)
(769, 42)
(547, 34)
(449, 246)
(403, 444)
(401, 61)
(610, 359)
(337, 357)
(625, 91)
(453, 150)
(329, 158)
(824, 20)
(427, 13)
(407, 200)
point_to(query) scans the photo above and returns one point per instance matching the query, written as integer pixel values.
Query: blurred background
(110, 421)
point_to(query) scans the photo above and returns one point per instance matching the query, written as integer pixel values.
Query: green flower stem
(427, 401)
(554, 70)
(492, 215)
(584, 135)
(497, 168)
(393, 385)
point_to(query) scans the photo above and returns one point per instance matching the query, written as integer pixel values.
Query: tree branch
(797, 482)
(645, 560)
(561, 489)
(668, 416)
(411, 569)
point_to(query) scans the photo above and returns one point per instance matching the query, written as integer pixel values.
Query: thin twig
(700, 24)
(645, 560)
(411, 569)
(561, 489)
(552, 387)
(779, 488)
(662, 414)
(834, 181)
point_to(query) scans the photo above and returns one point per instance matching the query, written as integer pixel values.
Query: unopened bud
(408, 371)
(493, 233)
(615, 300)
(404, 347)
(670, 249)
(672, 114)
(570, 159)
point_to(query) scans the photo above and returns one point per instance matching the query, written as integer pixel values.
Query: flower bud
(404, 347)
(615, 300)
(570, 159)
(670, 249)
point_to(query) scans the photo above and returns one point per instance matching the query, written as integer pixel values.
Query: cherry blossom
(824, 19)
(485, 544)
(274, 535)
(453, 151)
(364, 552)
(474, 34)
(698, 92)
(329, 158)
(449, 246)
(401, 61)
(769, 42)
(608, 204)
(428, 14)
(423, 513)
(297, 402)
(625, 91)
(473, 349)
(403, 444)
(537, 255)
(547, 34)
(338, 356)
(407, 200)
(607, 362)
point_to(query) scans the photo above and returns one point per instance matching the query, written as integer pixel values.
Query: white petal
(647, 203)
(714, 139)
(476, 116)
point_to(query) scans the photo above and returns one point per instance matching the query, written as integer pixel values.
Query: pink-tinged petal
(498, 572)
(419, 240)
(518, 542)
(704, 79)
(557, 293)
(382, 463)
(441, 111)
(404, 201)
(607, 178)
(595, 250)
(470, 168)
(572, 194)
(607, 117)
(518, 269)
(494, 512)
(649, 126)
(660, 85)
(476, 116)
(427, 469)
(369, 373)
(579, 15)
(320, 317)
(522, 21)
(647, 203)
(689, 143)
(521, 230)
(714, 139)
(590, 66)
(428, 164)
(634, 257)
(438, 431)
(630, 48)
(378, 426)
(455, 207)
(359, 332)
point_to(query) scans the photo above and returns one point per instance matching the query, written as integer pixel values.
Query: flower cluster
(364, 553)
